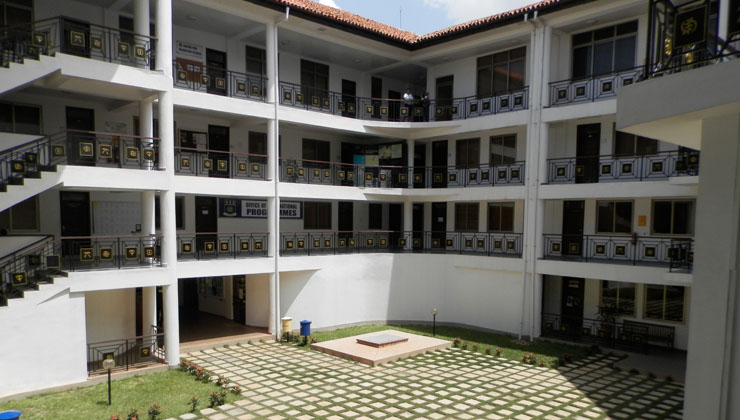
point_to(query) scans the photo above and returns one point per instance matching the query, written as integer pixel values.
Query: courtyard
(285, 382)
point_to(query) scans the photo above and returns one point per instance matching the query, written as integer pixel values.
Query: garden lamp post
(434, 322)
(109, 364)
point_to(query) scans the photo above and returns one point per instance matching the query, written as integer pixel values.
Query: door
(571, 307)
(346, 219)
(376, 92)
(218, 139)
(587, 153)
(394, 105)
(443, 108)
(216, 71)
(76, 39)
(206, 225)
(417, 227)
(439, 224)
(395, 223)
(349, 92)
(189, 308)
(573, 212)
(75, 220)
(420, 158)
(439, 164)
(80, 142)
(239, 299)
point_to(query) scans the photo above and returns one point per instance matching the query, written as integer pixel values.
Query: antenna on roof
(400, 16)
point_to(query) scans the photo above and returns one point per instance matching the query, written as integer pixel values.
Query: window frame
(262, 60)
(616, 306)
(492, 65)
(11, 220)
(503, 138)
(511, 204)
(614, 217)
(592, 43)
(179, 204)
(317, 207)
(466, 144)
(663, 316)
(690, 230)
(476, 220)
(13, 122)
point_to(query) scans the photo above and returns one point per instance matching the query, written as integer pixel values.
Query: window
(673, 217)
(23, 216)
(21, 119)
(466, 217)
(256, 61)
(501, 72)
(604, 50)
(664, 302)
(316, 215)
(314, 82)
(626, 144)
(503, 149)
(501, 217)
(614, 217)
(257, 146)
(179, 219)
(16, 12)
(375, 219)
(467, 153)
(619, 297)
(316, 150)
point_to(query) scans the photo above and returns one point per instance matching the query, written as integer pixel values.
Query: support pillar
(408, 223)
(410, 162)
(141, 17)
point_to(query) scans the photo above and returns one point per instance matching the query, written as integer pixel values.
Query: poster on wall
(233, 207)
(189, 50)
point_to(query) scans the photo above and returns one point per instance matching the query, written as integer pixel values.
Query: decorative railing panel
(219, 81)
(609, 168)
(215, 245)
(126, 352)
(217, 163)
(593, 88)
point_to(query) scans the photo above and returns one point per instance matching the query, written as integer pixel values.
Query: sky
(424, 16)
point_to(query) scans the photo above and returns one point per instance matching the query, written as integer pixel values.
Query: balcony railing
(219, 245)
(380, 109)
(609, 168)
(592, 88)
(217, 163)
(345, 242)
(384, 176)
(72, 36)
(677, 253)
(128, 352)
(219, 81)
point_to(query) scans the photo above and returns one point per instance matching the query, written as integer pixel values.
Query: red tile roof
(404, 37)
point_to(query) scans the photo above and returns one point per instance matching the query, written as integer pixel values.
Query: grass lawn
(170, 389)
(510, 348)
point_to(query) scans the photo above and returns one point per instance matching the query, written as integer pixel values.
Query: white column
(408, 222)
(149, 308)
(410, 161)
(141, 17)
(483, 216)
(164, 37)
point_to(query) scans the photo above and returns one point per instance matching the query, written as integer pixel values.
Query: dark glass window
(179, 207)
(503, 149)
(317, 150)
(626, 144)
(21, 119)
(375, 219)
(619, 297)
(501, 217)
(466, 217)
(664, 302)
(501, 72)
(256, 60)
(614, 216)
(604, 50)
(314, 82)
(257, 146)
(673, 217)
(316, 215)
(23, 216)
(467, 153)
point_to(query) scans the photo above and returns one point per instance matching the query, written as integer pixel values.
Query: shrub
(554, 363)
(475, 348)
(314, 340)
(488, 351)
(543, 362)
(133, 414)
(529, 359)
(499, 350)
(567, 357)
(457, 342)
(217, 398)
(115, 417)
(194, 403)
(464, 346)
(154, 412)
(236, 389)
(634, 371)
(221, 381)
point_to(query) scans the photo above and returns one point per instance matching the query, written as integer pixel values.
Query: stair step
(34, 175)
(48, 168)
(3, 187)
(15, 180)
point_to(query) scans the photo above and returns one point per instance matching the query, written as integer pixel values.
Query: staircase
(29, 267)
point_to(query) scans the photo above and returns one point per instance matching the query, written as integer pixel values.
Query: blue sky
(424, 16)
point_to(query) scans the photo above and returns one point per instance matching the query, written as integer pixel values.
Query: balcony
(74, 37)
(345, 174)
(219, 245)
(676, 253)
(609, 168)
(593, 88)
(220, 164)
(351, 242)
(219, 81)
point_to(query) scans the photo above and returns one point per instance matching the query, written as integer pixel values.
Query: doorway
(439, 164)
(394, 105)
(349, 98)
(216, 71)
(417, 236)
(75, 220)
(420, 158)
(81, 143)
(206, 224)
(573, 213)
(443, 110)
(218, 140)
(571, 306)
(587, 153)
(439, 224)
(239, 299)
(376, 93)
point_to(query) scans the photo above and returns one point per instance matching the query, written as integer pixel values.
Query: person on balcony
(425, 102)
(408, 101)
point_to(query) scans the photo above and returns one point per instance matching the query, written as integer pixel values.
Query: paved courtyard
(283, 382)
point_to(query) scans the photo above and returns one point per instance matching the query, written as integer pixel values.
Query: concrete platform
(349, 348)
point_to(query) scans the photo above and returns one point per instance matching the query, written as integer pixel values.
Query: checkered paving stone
(284, 382)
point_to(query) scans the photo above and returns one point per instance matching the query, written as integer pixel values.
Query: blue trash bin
(10, 415)
(305, 328)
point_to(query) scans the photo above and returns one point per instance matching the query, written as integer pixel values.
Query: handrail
(151, 235)
(13, 254)
(49, 19)
(24, 145)
(598, 75)
(126, 338)
(107, 133)
(222, 233)
(196, 150)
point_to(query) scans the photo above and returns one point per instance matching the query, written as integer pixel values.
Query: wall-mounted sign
(232, 207)
(691, 27)
(187, 49)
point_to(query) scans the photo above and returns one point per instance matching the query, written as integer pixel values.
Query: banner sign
(733, 23)
(189, 50)
(233, 207)
(691, 27)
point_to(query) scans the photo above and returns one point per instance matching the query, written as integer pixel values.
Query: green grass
(171, 389)
(510, 348)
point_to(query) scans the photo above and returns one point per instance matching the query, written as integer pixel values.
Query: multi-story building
(544, 181)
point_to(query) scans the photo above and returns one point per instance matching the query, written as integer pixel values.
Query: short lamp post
(434, 322)
(109, 364)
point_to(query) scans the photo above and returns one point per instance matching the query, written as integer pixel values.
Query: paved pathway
(283, 382)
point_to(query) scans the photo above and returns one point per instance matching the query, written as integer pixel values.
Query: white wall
(110, 314)
(258, 300)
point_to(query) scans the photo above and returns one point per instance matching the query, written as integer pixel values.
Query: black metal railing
(677, 253)
(592, 88)
(387, 176)
(109, 252)
(25, 268)
(104, 149)
(219, 81)
(612, 333)
(128, 352)
(71, 36)
(215, 245)
(339, 242)
(381, 109)
(217, 163)
(590, 169)
(24, 160)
